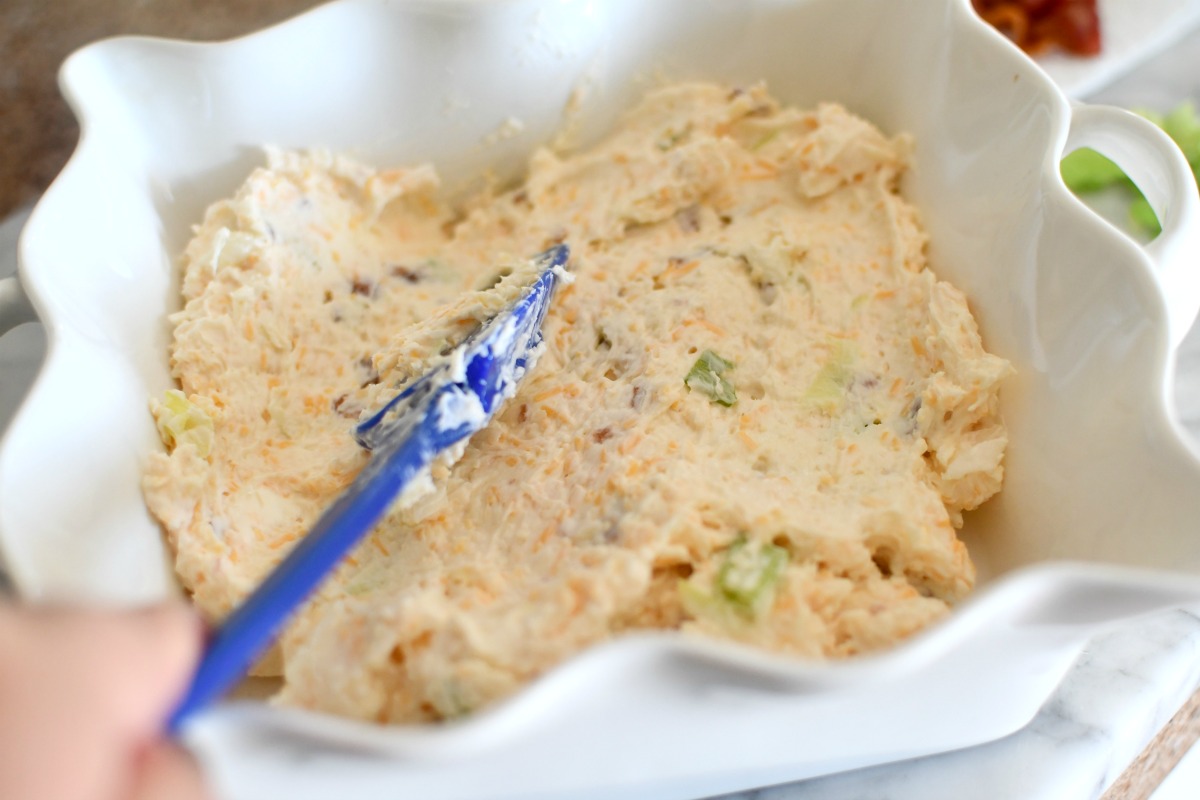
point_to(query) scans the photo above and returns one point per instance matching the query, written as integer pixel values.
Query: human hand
(84, 696)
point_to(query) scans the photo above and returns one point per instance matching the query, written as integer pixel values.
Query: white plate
(1132, 31)
(1097, 520)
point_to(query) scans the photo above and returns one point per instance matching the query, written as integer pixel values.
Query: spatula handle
(247, 633)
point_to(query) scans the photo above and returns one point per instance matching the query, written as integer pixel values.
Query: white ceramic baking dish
(1098, 519)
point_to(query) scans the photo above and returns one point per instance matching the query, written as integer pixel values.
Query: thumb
(130, 667)
(86, 689)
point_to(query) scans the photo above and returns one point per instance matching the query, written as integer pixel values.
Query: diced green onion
(180, 421)
(751, 570)
(765, 140)
(707, 376)
(744, 586)
(828, 389)
(671, 138)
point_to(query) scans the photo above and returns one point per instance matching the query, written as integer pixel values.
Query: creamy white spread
(758, 415)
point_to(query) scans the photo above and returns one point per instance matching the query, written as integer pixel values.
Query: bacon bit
(1038, 26)
(406, 274)
(602, 435)
(362, 286)
(523, 412)
(421, 641)
(688, 219)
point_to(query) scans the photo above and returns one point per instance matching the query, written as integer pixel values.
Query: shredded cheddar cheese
(759, 415)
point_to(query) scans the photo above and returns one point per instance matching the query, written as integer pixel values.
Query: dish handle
(1158, 168)
(15, 308)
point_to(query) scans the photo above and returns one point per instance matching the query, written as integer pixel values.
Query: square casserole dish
(1096, 523)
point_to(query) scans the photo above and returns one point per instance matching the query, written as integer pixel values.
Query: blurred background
(37, 129)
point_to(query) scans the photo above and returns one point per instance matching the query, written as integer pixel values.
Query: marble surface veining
(1124, 688)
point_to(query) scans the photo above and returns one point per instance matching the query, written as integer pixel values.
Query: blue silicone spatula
(435, 412)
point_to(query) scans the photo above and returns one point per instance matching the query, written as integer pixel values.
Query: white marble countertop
(1125, 687)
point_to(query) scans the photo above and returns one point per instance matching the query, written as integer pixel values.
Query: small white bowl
(1098, 518)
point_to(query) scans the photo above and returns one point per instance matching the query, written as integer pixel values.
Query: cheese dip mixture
(759, 415)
